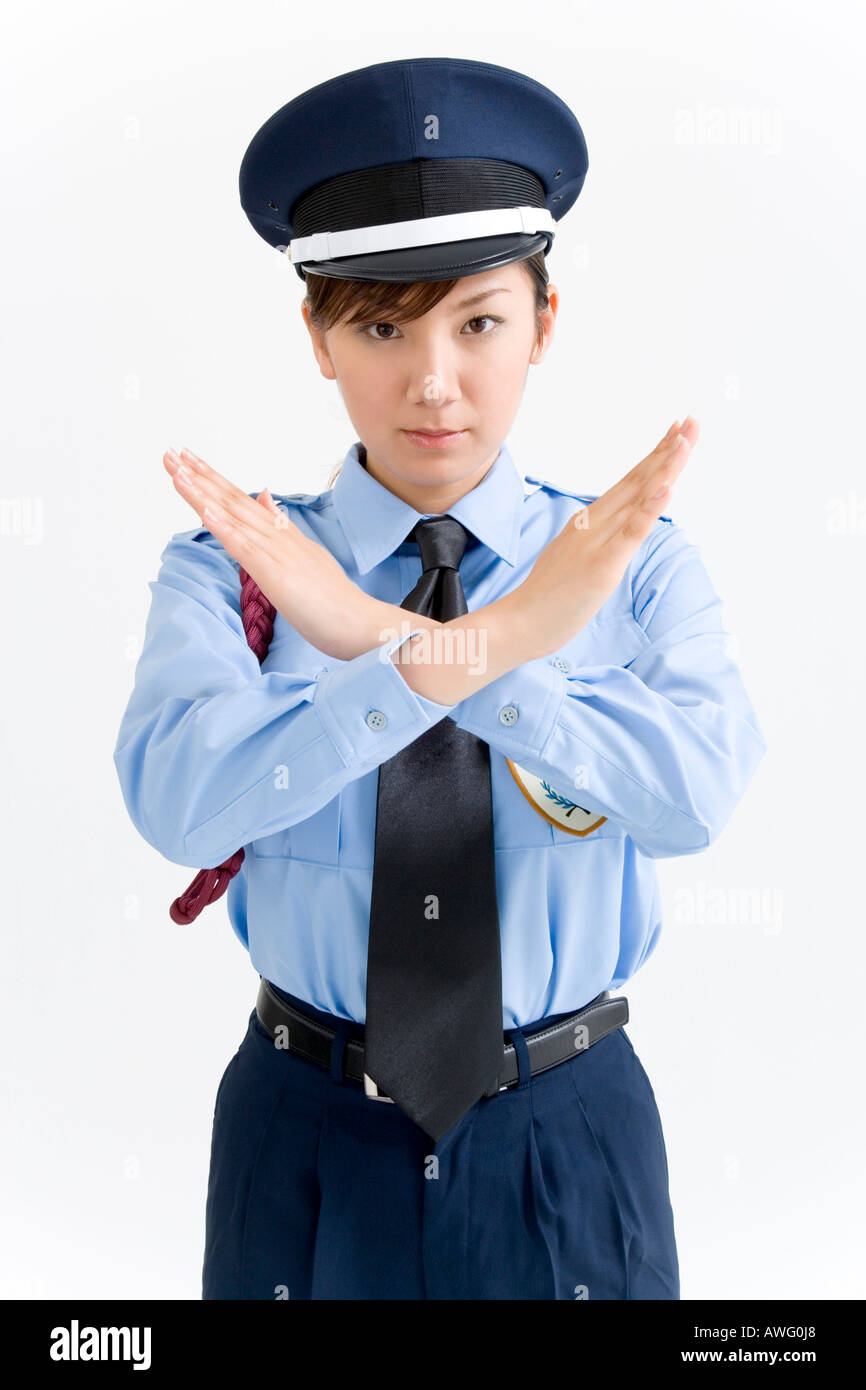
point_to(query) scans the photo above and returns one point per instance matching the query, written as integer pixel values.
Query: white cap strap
(420, 231)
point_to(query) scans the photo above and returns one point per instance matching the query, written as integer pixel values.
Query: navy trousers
(554, 1189)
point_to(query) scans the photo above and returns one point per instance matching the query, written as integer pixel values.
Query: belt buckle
(372, 1090)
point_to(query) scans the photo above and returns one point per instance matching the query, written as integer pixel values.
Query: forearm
(451, 661)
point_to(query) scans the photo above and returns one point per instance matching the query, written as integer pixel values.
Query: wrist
(459, 657)
(382, 622)
(466, 653)
(513, 633)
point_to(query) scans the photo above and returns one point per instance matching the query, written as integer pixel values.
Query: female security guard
(487, 706)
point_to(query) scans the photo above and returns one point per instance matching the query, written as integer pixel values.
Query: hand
(300, 577)
(578, 571)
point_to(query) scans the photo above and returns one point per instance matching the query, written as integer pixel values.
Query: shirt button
(561, 664)
(508, 715)
(376, 719)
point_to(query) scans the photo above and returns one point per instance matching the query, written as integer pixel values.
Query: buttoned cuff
(365, 706)
(517, 712)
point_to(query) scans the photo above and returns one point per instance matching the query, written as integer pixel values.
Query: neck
(435, 499)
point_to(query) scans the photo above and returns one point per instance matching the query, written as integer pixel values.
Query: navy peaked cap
(420, 169)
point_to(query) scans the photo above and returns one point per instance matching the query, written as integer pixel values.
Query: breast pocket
(316, 839)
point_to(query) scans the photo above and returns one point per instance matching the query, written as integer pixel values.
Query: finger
(200, 491)
(209, 489)
(665, 474)
(262, 567)
(659, 469)
(210, 480)
(233, 500)
(692, 430)
(265, 563)
(604, 511)
(635, 519)
(267, 500)
(253, 545)
(653, 460)
(279, 518)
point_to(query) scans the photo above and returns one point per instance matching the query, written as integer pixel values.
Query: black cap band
(418, 188)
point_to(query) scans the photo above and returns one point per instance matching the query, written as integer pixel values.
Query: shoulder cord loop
(257, 615)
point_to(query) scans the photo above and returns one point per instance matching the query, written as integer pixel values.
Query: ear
(548, 322)
(326, 366)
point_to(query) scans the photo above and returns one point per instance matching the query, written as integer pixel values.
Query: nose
(433, 377)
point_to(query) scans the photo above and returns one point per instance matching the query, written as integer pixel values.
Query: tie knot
(441, 540)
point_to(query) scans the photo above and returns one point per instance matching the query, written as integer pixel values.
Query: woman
(450, 817)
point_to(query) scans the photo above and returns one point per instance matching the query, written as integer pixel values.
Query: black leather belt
(547, 1048)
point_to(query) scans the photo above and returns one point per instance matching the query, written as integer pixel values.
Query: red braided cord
(257, 615)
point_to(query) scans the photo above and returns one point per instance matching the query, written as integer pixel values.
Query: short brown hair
(331, 301)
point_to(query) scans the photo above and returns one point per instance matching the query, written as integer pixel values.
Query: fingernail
(189, 453)
(170, 453)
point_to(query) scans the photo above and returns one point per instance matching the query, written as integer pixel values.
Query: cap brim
(442, 261)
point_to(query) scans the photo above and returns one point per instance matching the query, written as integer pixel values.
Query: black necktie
(433, 1038)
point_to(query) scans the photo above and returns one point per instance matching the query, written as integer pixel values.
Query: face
(460, 367)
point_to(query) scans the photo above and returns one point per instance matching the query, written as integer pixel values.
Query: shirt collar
(375, 521)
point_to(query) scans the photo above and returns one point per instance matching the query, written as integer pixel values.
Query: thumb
(281, 520)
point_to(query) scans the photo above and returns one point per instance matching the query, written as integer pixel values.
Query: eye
(365, 329)
(377, 336)
(480, 318)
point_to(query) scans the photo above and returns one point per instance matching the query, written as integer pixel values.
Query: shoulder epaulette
(298, 499)
(567, 492)
(556, 487)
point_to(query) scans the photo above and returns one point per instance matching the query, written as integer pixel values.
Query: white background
(712, 265)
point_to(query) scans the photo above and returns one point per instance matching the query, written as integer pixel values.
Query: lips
(432, 439)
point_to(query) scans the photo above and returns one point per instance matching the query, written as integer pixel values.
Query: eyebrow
(477, 298)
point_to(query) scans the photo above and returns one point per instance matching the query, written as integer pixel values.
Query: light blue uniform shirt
(216, 752)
